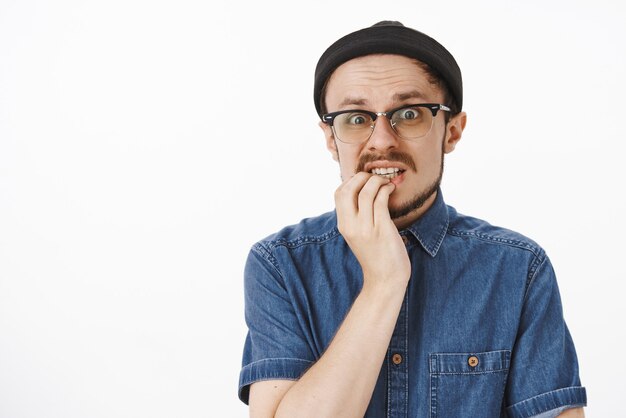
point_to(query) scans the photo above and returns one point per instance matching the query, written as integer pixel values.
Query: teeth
(389, 173)
(389, 170)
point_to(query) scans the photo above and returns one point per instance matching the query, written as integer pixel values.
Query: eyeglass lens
(408, 122)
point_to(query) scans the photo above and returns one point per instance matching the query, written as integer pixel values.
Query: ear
(454, 131)
(331, 145)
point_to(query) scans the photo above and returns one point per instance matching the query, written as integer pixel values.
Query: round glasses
(409, 122)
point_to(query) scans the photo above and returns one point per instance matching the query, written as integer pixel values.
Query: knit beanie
(389, 37)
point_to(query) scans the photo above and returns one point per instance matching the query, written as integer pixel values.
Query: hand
(364, 221)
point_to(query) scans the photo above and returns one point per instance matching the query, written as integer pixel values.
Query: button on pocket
(472, 361)
(457, 380)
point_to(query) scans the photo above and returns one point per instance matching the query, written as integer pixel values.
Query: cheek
(347, 169)
(428, 159)
(348, 161)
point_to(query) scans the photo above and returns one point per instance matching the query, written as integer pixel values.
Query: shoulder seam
(535, 250)
(532, 271)
(304, 240)
(266, 254)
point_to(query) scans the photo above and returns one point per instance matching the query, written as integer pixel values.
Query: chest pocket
(468, 384)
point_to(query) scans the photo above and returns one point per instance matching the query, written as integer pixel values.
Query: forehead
(379, 82)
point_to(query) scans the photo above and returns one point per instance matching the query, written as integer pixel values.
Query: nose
(383, 136)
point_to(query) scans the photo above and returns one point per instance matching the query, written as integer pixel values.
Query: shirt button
(405, 239)
(472, 361)
(396, 358)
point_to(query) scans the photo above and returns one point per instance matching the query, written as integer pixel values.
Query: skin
(341, 382)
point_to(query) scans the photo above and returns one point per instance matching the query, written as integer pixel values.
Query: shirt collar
(430, 229)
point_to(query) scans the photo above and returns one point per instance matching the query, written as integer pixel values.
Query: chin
(397, 202)
(413, 205)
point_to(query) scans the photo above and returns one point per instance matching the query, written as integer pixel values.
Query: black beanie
(388, 37)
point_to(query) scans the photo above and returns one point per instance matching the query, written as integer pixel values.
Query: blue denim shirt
(480, 333)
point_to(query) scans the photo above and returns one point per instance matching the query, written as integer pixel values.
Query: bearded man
(395, 304)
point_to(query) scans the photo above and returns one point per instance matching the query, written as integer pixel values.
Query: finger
(347, 193)
(366, 197)
(381, 204)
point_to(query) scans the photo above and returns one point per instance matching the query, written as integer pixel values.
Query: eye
(409, 113)
(357, 118)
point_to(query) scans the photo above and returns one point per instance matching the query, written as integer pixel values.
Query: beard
(418, 200)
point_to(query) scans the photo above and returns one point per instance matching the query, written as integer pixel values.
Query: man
(395, 305)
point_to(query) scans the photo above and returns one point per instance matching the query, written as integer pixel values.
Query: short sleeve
(275, 346)
(544, 367)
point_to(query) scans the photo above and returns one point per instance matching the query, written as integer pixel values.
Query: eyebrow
(398, 97)
(352, 101)
(413, 94)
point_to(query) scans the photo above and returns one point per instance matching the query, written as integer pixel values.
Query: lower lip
(398, 179)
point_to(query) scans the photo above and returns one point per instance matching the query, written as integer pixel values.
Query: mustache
(393, 155)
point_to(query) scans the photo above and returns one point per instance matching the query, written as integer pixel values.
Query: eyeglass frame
(329, 118)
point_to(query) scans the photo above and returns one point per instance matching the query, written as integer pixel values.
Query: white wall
(141, 155)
